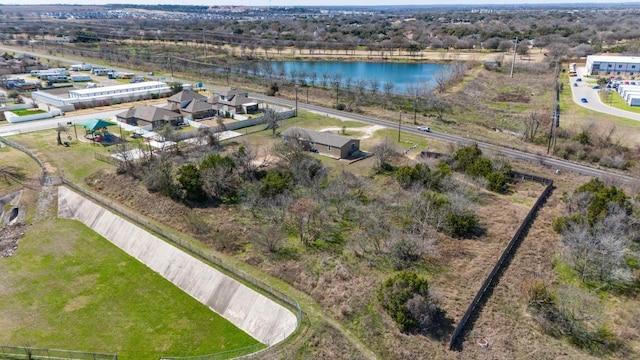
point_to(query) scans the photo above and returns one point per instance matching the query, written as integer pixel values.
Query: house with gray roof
(184, 97)
(236, 101)
(192, 103)
(201, 110)
(143, 115)
(325, 143)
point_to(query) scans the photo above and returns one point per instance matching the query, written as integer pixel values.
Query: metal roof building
(119, 91)
(613, 65)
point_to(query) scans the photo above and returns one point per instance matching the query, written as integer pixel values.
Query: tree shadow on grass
(441, 328)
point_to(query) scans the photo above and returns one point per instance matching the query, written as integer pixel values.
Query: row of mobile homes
(80, 67)
(49, 73)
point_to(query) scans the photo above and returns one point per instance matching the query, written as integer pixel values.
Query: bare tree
(220, 181)
(303, 212)
(433, 103)
(270, 118)
(424, 310)
(158, 176)
(297, 143)
(443, 78)
(126, 157)
(600, 253)
(208, 138)
(270, 237)
(383, 152)
(245, 162)
(531, 125)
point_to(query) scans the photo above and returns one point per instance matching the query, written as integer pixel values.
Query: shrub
(583, 138)
(572, 314)
(497, 181)
(404, 253)
(395, 294)
(274, 183)
(465, 156)
(462, 223)
(537, 294)
(480, 167)
(190, 182)
(601, 197)
(405, 176)
(616, 162)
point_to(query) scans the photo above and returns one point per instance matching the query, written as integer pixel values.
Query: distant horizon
(315, 3)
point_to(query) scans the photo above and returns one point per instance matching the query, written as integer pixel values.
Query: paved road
(552, 162)
(555, 163)
(585, 90)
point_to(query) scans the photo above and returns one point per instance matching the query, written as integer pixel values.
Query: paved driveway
(584, 90)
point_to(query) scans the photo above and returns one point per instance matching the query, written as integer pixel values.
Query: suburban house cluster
(22, 63)
(189, 105)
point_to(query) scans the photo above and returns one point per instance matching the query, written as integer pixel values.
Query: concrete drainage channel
(264, 319)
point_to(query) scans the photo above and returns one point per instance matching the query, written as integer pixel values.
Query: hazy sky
(301, 2)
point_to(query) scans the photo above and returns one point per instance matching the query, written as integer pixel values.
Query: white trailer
(80, 78)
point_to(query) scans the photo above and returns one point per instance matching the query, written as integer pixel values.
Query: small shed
(325, 143)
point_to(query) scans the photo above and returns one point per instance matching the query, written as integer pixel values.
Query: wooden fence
(503, 262)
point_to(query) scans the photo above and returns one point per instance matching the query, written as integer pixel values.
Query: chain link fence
(224, 355)
(31, 353)
(238, 274)
(43, 170)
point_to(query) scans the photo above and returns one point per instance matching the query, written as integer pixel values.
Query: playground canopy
(95, 124)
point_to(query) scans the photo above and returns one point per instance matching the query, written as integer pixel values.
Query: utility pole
(399, 125)
(170, 66)
(415, 110)
(515, 46)
(44, 41)
(204, 42)
(555, 118)
(296, 86)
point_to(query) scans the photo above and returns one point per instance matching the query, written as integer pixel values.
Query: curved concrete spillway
(259, 316)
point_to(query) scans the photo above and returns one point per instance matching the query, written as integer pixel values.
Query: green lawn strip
(568, 106)
(616, 101)
(317, 122)
(407, 140)
(67, 287)
(23, 112)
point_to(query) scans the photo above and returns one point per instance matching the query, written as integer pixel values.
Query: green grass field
(23, 112)
(76, 161)
(615, 100)
(68, 288)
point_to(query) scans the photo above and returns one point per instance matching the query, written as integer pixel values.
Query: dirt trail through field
(364, 132)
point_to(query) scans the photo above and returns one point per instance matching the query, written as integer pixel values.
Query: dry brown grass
(345, 287)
